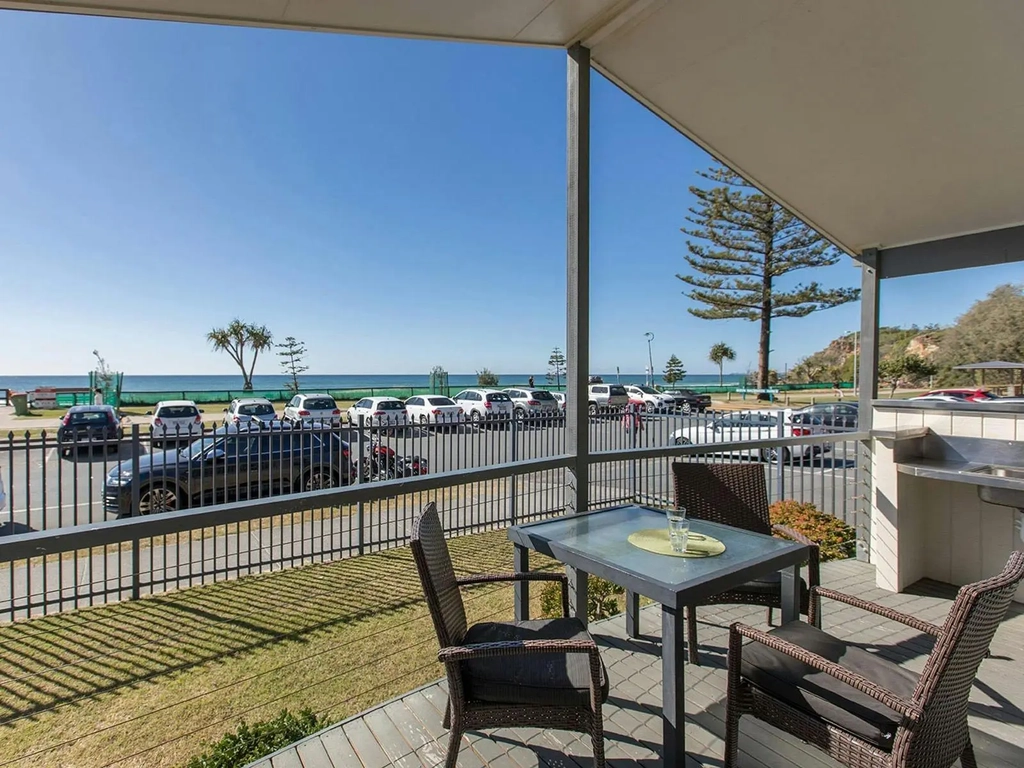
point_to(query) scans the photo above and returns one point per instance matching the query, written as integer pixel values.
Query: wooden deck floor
(407, 732)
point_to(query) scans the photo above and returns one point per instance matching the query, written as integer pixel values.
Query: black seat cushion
(821, 695)
(769, 586)
(548, 678)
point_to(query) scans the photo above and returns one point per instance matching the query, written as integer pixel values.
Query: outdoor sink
(1005, 497)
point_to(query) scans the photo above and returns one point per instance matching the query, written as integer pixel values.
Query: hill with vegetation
(992, 329)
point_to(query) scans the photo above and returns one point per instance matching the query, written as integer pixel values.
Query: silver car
(532, 402)
(243, 410)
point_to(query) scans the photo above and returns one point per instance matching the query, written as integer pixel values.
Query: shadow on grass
(57, 660)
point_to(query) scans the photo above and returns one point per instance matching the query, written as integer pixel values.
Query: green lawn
(147, 682)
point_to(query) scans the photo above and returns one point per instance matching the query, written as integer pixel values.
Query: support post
(870, 283)
(577, 419)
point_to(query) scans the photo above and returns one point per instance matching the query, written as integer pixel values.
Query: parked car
(606, 398)
(245, 409)
(89, 424)
(952, 397)
(312, 408)
(560, 398)
(433, 409)
(532, 402)
(750, 426)
(482, 405)
(175, 420)
(834, 417)
(650, 399)
(970, 394)
(232, 463)
(379, 412)
(689, 401)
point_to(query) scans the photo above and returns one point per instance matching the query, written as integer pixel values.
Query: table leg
(790, 594)
(521, 589)
(632, 614)
(673, 688)
(577, 593)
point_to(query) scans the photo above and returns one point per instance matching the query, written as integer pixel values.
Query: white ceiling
(882, 122)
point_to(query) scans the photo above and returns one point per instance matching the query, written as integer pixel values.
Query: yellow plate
(656, 540)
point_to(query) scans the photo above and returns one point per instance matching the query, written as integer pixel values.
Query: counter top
(959, 472)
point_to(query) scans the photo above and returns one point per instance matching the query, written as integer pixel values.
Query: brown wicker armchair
(538, 674)
(737, 495)
(865, 711)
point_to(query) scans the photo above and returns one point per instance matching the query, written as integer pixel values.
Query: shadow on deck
(407, 731)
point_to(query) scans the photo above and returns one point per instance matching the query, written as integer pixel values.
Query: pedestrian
(97, 398)
(837, 388)
(631, 417)
(531, 382)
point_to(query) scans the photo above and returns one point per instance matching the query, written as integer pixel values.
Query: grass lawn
(146, 683)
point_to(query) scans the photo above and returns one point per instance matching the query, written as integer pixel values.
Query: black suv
(232, 463)
(87, 425)
(689, 401)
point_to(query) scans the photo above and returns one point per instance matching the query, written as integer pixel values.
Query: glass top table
(597, 543)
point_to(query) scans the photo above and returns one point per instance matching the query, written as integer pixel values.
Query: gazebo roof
(884, 123)
(995, 365)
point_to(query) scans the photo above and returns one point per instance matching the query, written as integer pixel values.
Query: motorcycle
(381, 462)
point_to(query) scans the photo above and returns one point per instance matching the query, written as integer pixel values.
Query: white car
(749, 425)
(482, 405)
(243, 410)
(379, 412)
(176, 420)
(306, 408)
(532, 402)
(433, 409)
(653, 400)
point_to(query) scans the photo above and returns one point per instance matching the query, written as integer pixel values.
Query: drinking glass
(678, 528)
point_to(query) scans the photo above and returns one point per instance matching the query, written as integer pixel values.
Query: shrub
(836, 540)
(602, 599)
(250, 742)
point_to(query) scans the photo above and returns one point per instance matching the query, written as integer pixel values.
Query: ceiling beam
(980, 249)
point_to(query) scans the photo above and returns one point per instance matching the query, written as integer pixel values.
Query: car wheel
(773, 455)
(520, 414)
(318, 479)
(687, 409)
(476, 418)
(592, 409)
(423, 418)
(650, 407)
(158, 498)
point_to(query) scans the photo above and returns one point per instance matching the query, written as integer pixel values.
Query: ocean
(312, 383)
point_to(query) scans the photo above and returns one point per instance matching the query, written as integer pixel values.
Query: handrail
(703, 449)
(70, 538)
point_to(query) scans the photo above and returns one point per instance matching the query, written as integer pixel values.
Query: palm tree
(719, 353)
(236, 339)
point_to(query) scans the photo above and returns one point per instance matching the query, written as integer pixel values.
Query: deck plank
(408, 732)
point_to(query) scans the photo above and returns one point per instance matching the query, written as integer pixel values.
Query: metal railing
(79, 538)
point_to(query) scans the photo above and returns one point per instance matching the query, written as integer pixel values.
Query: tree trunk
(721, 375)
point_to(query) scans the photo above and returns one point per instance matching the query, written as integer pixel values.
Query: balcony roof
(884, 123)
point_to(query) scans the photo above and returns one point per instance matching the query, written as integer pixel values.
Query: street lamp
(650, 358)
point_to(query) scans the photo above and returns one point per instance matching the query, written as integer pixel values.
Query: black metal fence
(110, 519)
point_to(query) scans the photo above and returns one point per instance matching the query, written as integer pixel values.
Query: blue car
(232, 463)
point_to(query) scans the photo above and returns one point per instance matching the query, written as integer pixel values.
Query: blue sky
(396, 204)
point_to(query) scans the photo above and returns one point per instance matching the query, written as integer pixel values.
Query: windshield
(196, 447)
(390, 405)
(178, 412)
(542, 394)
(616, 389)
(319, 404)
(649, 390)
(498, 397)
(439, 401)
(89, 417)
(256, 409)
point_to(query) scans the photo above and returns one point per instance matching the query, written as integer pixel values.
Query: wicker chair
(530, 674)
(865, 711)
(737, 495)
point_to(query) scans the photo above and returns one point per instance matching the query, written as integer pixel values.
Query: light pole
(650, 358)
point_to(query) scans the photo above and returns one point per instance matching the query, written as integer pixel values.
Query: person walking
(837, 388)
(97, 398)
(531, 382)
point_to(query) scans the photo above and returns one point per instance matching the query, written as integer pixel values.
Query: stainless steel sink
(1004, 497)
